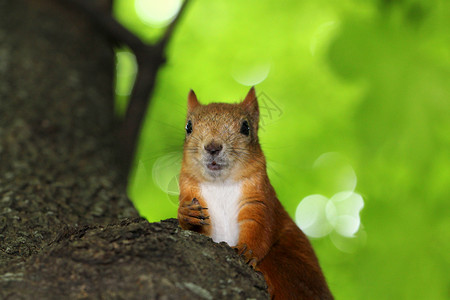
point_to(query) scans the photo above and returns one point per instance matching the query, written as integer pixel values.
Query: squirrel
(225, 193)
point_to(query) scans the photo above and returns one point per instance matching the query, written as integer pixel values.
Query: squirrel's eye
(189, 127)
(245, 128)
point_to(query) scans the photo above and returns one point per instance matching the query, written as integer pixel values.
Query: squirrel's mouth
(214, 166)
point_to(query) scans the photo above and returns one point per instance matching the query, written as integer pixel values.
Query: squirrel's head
(221, 139)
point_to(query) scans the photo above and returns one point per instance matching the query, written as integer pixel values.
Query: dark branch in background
(169, 31)
(149, 58)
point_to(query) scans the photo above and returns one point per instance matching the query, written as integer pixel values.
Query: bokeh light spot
(334, 174)
(165, 173)
(157, 13)
(337, 216)
(310, 216)
(318, 216)
(250, 74)
(347, 225)
(347, 203)
(349, 245)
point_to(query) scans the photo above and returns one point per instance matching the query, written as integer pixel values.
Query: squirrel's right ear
(192, 101)
(250, 103)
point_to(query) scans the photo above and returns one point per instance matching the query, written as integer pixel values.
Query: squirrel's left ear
(250, 104)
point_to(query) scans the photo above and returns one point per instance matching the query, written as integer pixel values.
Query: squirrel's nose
(213, 148)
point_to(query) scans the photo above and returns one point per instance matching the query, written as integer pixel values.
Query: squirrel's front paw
(192, 213)
(247, 255)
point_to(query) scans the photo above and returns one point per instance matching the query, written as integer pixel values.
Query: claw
(195, 207)
(242, 250)
(247, 255)
(252, 263)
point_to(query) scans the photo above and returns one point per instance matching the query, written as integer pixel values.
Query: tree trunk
(67, 228)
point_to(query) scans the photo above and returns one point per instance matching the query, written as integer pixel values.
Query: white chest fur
(222, 200)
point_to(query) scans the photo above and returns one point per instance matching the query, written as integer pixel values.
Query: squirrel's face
(221, 139)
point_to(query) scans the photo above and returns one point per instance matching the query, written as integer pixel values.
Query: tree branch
(149, 59)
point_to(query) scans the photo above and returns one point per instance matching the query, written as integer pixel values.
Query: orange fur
(269, 240)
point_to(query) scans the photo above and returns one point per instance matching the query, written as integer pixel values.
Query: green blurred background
(368, 81)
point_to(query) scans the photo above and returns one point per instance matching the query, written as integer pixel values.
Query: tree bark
(67, 228)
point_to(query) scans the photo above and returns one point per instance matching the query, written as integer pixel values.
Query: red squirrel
(225, 193)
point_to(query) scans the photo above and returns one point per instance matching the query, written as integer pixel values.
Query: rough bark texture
(134, 259)
(67, 228)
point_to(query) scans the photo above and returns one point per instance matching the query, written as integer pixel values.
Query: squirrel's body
(226, 194)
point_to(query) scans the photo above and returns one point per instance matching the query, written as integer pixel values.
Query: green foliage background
(367, 79)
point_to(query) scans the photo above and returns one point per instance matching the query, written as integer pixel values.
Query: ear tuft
(192, 101)
(250, 103)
